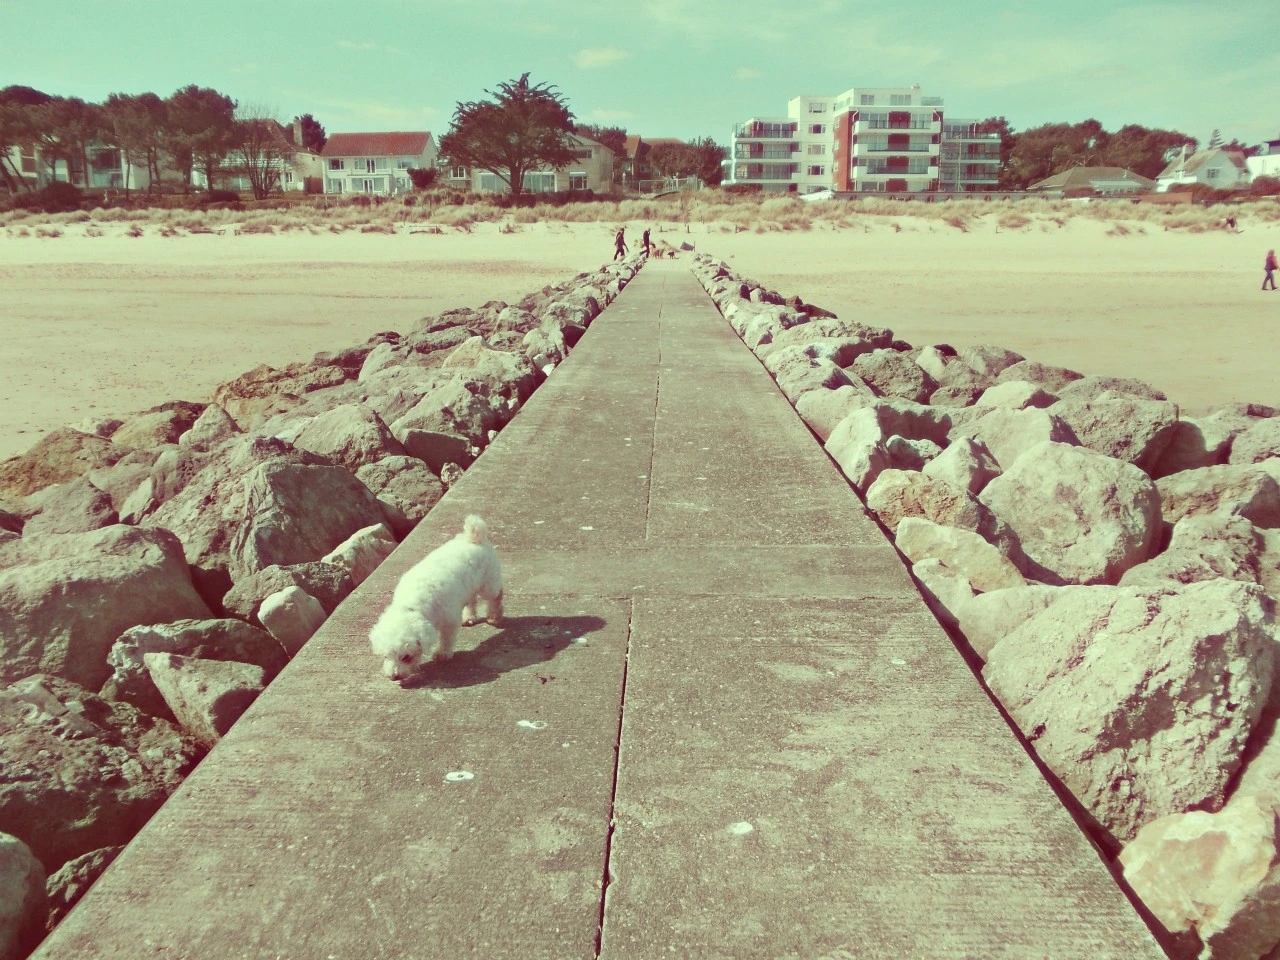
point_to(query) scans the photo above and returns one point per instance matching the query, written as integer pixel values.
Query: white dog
(436, 597)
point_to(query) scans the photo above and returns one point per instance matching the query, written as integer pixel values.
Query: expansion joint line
(653, 434)
(607, 877)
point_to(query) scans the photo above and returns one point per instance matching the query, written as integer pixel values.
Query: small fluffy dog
(436, 597)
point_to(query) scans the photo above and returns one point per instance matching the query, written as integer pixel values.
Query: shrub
(1265, 186)
(55, 197)
(220, 196)
(423, 177)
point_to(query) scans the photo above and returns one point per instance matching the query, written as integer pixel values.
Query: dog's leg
(448, 637)
(469, 617)
(493, 610)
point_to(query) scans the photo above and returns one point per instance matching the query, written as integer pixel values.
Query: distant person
(1270, 266)
(645, 240)
(620, 244)
(1231, 224)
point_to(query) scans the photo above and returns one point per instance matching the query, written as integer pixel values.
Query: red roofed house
(375, 162)
(636, 165)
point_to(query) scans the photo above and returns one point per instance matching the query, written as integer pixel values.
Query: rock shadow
(522, 642)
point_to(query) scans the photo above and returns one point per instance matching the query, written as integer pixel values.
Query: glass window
(818, 149)
(899, 99)
(1211, 174)
(577, 181)
(868, 100)
(333, 186)
(336, 163)
(817, 128)
(817, 108)
(817, 171)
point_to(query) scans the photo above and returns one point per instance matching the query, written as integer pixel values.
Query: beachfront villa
(865, 140)
(591, 169)
(1266, 162)
(1215, 167)
(1092, 182)
(375, 162)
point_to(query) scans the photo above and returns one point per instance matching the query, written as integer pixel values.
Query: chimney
(297, 131)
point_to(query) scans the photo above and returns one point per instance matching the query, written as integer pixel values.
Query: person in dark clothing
(645, 240)
(620, 244)
(1270, 266)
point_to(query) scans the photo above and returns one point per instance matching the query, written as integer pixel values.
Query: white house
(108, 169)
(375, 162)
(292, 164)
(1214, 167)
(1266, 162)
(591, 169)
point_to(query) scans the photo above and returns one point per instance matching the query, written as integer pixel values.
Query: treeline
(1032, 155)
(194, 128)
(701, 157)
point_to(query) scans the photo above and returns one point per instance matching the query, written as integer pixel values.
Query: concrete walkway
(720, 722)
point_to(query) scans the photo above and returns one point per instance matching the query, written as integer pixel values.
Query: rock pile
(157, 571)
(1114, 564)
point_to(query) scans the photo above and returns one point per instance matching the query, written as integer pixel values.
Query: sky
(669, 68)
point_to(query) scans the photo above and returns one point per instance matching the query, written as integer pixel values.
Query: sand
(105, 326)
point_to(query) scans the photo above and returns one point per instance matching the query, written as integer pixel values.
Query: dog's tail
(475, 530)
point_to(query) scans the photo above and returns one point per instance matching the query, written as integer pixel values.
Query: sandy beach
(107, 325)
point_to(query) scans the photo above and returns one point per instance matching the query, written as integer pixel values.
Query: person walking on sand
(1270, 266)
(620, 244)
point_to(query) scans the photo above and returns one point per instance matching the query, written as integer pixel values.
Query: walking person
(1270, 267)
(645, 240)
(620, 244)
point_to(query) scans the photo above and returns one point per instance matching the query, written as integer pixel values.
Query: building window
(1211, 174)
(817, 171)
(288, 177)
(333, 186)
(818, 149)
(371, 165)
(458, 173)
(336, 164)
(577, 181)
(28, 162)
(899, 99)
(817, 108)
(402, 183)
(582, 154)
(817, 128)
(868, 100)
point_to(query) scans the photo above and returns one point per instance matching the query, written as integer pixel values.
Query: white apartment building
(375, 162)
(865, 140)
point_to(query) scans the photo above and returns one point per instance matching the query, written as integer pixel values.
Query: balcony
(880, 169)
(879, 150)
(760, 151)
(764, 131)
(763, 171)
(878, 124)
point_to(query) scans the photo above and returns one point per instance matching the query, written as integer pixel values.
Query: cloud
(606, 116)
(352, 45)
(374, 114)
(746, 73)
(589, 58)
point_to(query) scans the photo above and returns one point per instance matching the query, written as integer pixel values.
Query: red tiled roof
(398, 144)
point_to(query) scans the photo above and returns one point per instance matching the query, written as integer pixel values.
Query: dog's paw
(441, 655)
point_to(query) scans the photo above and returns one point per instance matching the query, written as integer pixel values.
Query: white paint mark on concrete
(536, 522)
(458, 776)
(586, 528)
(532, 724)
(741, 828)
(581, 641)
(898, 662)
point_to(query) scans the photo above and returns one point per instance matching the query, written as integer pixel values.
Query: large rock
(989, 361)
(1140, 701)
(298, 512)
(1212, 877)
(23, 904)
(508, 375)
(362, 552)
(905, 454)
(1080, 517)
(994, 615)
(1095, 388)
(76, 506)
(962, 551)
(212, 426)
(1015, 395)
(292, 616)
(897, 494)
(966, 463)
(1245, 490)
(1260, 442)
(1052, 379)
(249, 397)
(329, 585)
(58, 457)
(1008, 434)
(1129, 429)
(801, 374)
(894, 374)
(406, 487)
(73, 880)
(158, 426)
(1203, 548)
(65, 599)
(351, 435)
(455, 408)
(857, 446)
(81, 772)
(829, 328)
(233, 640)
(207, 696)
(1201, 442)
(945, 591)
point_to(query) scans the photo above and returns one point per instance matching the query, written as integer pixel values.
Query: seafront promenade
(719, 721)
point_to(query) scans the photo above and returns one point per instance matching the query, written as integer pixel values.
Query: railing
(931, 101)
(764, 131)
(762, 152)
(866, 149)
(879, 168)
(873, 124)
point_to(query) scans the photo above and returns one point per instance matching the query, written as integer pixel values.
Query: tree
(63, 128)
(135, 124)
(1215, 138)
(708, 158)
(423, 177)
(615, 138)
(701, 158)
(669, 159)
(200, 130)
(1145, 151)
(522, 128)
(16, 129)
(261, 150)
(313, 135)
(999, 125)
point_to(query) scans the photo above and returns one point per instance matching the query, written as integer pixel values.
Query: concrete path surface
(718, 722)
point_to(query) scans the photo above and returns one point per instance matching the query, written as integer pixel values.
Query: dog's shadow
(522, 642)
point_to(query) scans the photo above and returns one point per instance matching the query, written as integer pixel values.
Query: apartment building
(865, 140)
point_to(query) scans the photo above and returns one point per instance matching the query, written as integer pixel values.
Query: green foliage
(54, 197)
(701, 158)
(313, 135)
(1043, 151)
(135, 124)
(199, 129)
(615, 138)
(523, 127)
(1265, 186)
